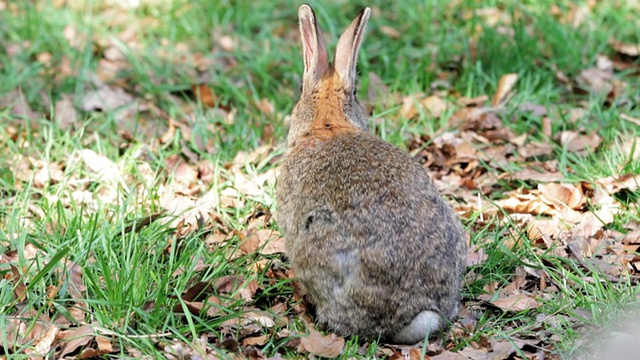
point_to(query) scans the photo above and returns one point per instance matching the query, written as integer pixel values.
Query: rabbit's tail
(421, 327)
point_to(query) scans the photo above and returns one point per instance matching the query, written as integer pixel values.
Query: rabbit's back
(368, 234)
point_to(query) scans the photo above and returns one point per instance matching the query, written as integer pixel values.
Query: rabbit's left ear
(314, 49)
(348, 47)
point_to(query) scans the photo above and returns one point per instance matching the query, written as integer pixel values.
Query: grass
(135, 277)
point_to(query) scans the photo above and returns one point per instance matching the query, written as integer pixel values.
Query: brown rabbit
(379, 251)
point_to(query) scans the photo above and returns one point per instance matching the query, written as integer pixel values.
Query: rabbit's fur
(379, 251)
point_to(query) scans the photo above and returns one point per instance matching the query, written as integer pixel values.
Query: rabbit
(379, 252)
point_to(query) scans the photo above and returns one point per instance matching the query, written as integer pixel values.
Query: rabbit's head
(328, 104)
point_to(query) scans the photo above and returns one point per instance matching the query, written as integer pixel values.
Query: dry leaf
(205, 95)
(516, 302)
(628, 49)
(256, 340)
(532, 174)
(409, 103)
(575, 141)
(614, 184)
(448, 355)
(315, 343)
(434, 105)
(43, 344)
(504, 87)
(105, 99)
(17, 103)
(391, 32)
(561, 195)
(65, 113)
(266, 106)
(104, 344)
(76, 338)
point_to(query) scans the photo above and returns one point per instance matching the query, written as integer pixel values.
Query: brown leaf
(632, 237)
(19, 285)
(390, 32)
(599, 79)
(76, 338)
(106, 98)
(255, 340)
(47, 173)
(575, 141)
(409, 108)
(614, 184)
(473, 102)
(562, 194)
(17, 103)
(526, 203)
(266, 106)
(76, 290)
(516, 302)
(196, 307)
(628, 49)
(547, 229)
(434, 105)
(539, 175)
(448, 355)
(250, 244)
(330, 345)
(592, 222)
(198, 292)
(227, 43)
(65, 113)
(104, 344)
(504, 87)
(248, 289)
(102, 167)
(204, 93)
(475, 255)
(43, 344)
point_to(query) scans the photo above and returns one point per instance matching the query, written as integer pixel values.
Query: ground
(140, 142)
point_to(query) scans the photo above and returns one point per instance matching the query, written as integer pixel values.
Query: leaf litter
(469, 159)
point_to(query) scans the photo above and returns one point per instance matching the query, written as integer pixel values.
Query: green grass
(132, 289)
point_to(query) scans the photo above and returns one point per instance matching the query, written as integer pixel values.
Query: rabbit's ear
(348, 47)
(316, 61)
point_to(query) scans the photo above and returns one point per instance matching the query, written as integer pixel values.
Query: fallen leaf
(389, 31)
(576, 142)
(255, 340)
(628, 49)
(65, 113)
(102, 167)
(330, 345)
(632, 237)
(76, 338)
(434, 105)
(17, 103)
(105, 99)
(205, 95)
(104, 344)
(504, 88)
(614, 184)
(266, 106)
(532, 174)
(562, 194)
(43, 344)
(448, 355)
(516, 302)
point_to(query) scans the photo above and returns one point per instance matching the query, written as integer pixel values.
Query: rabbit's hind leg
(423, 325)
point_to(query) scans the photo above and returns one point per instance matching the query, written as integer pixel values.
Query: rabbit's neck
(330, 119)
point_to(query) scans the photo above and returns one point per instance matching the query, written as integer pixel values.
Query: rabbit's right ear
(316, 61)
